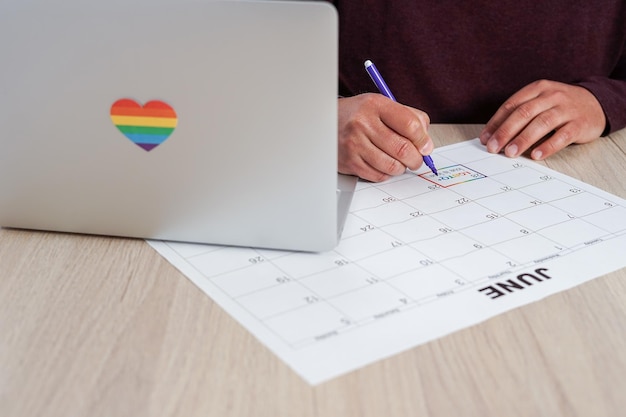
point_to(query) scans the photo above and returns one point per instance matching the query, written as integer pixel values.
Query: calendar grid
(458, 282)
(411, 243)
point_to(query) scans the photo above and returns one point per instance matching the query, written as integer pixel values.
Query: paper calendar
(421, 256)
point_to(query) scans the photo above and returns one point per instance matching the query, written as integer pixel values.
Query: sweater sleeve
(464, 75)
(611, 93)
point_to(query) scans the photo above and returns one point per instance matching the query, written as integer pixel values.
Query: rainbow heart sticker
(147, 126)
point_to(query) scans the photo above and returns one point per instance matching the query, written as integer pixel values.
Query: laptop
(195, 121)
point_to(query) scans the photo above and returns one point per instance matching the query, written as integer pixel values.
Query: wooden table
(98, 326)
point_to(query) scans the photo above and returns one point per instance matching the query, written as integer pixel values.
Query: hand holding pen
(384, 90)
(379, 137)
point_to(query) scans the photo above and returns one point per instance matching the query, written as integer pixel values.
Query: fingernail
(484, 137)
(511, 150)
(427, 148)
(492, 146)
(536, 154)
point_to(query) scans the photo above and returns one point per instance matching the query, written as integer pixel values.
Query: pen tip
(368, 63)
(430, 164)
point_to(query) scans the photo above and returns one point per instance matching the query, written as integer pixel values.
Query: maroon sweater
(459, 60)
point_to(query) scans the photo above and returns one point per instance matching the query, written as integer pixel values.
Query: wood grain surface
(99, 326)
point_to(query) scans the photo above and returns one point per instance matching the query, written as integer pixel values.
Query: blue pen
(384, 90)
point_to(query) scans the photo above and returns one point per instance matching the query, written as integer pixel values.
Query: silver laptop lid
(209, 122)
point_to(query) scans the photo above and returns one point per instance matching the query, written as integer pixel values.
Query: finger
(386, 150)
(426, 146)
(504, 111)
(359, 156)
(397, 148)
(518, 119)
(381, 161)
(537, 129)
(359, 167)
(363, 168)
(369, 173)
(403, 135)
(422, 116)
(517, 104)
(559, 140)
(409, 123)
